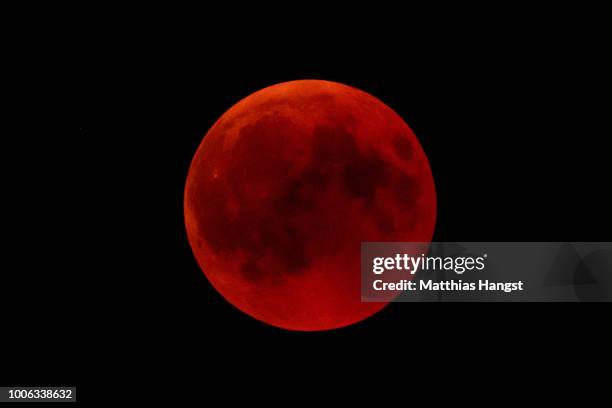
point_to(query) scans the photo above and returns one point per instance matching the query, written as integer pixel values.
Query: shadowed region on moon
(285, 187)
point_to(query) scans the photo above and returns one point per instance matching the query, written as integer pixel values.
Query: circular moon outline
(286, 185)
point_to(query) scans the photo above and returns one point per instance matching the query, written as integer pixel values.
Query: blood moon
(286, 185)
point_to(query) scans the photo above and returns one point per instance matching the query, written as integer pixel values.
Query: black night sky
(515, 139)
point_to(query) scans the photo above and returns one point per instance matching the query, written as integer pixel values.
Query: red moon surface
(284, 188)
